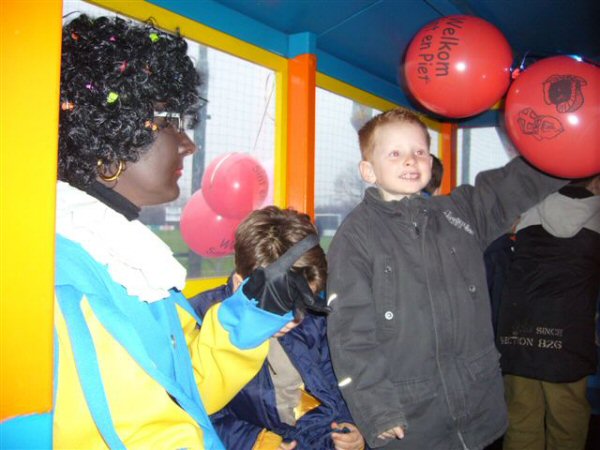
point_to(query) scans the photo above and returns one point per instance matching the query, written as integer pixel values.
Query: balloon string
(218, 166)
(584, 59)
(262, 120)
(428, 3)
(522, 65)
(514, 73)
(537, 56)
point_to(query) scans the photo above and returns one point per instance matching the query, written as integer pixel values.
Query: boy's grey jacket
(410, 332)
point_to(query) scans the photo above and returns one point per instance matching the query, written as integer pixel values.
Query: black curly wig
(114, 73)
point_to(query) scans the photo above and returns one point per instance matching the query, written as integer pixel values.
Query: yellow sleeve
(267, 440)
(221, 368)
(143, 414)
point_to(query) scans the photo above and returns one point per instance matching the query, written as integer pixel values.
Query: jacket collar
(563, 215)
(394, 207)
(135, 257)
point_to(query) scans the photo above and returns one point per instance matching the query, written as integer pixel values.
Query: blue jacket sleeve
(313, 430)
(248, 325)
(236, 434)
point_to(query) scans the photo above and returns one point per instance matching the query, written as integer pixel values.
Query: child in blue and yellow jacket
(294, 399)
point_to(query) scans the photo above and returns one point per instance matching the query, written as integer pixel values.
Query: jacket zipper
(462, 440)
(271, 367)
(413, 221)
(437, 338)
(416, 226)
(444, 385)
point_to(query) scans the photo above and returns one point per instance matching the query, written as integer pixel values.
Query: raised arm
(501, 195)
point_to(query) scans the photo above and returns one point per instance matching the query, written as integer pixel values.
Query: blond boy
(410, 330)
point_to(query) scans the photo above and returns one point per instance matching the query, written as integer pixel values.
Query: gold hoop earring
(113, 177)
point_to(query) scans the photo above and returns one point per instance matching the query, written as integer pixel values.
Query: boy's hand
(347, 440)
(392, 433)
(287, 445)
(279, 290)
(287, 328)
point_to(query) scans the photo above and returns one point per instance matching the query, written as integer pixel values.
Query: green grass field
(199, 267)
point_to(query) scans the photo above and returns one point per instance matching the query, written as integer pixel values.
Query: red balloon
(206, 232)
(552, 115)
(458, 66)
(235, 184)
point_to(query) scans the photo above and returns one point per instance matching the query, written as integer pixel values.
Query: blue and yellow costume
(133, 369)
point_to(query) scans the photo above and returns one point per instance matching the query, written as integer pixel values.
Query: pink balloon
(268, 165)
(206, 232)
(235, 184)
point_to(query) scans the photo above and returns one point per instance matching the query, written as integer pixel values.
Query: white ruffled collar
(135, 257)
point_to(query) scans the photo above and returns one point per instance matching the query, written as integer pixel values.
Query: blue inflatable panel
(27, 432)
